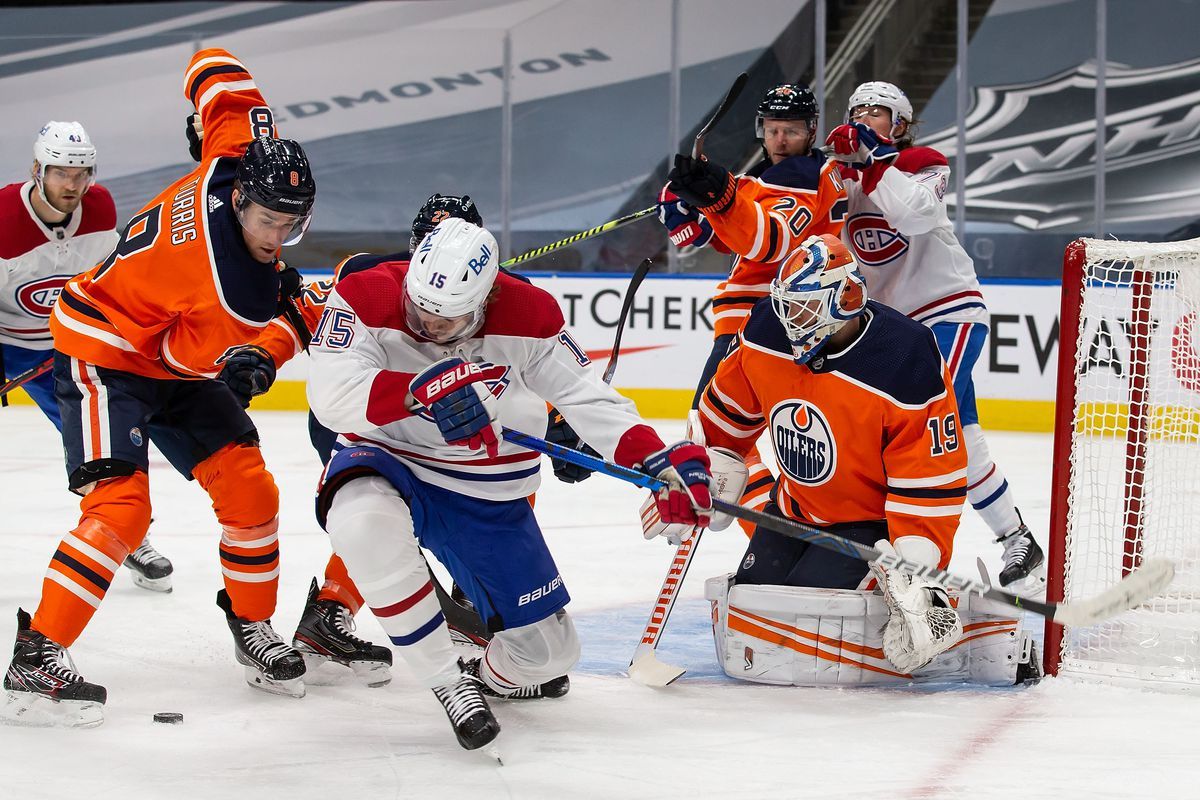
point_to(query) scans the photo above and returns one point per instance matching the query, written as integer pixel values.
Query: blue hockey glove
(462, 405)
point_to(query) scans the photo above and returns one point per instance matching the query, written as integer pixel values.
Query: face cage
(806, 340)
(295, 233)
(417, 320)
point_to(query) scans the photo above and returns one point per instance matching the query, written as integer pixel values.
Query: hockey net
(1127, 457)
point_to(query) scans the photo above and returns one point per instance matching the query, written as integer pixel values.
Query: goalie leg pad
(801, 636)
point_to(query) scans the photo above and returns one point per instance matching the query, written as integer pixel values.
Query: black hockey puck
(169, 717)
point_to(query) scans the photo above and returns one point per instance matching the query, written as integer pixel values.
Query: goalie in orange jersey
(860, 409)
(139, 339)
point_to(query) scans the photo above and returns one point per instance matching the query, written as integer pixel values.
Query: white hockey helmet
(816, 291)
(881, 93)
(64, 144)
(449, 280)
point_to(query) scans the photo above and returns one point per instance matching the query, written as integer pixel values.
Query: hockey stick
(635, 281)
(25, 377)
(645, 667)
(731, 96)
(1152, 577)
(611, 225)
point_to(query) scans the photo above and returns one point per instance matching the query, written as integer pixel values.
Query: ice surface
(707, 736)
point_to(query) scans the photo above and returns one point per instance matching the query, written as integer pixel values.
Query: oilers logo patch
(37, 297)
(803, 442)
(749, 561)
(875, 242)
(135, 436)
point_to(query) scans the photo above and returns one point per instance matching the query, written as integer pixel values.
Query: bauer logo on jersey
(875, 242)
(37, 297)
(804, 443)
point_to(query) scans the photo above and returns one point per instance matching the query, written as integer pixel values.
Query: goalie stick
(645, 667)
(25, 377)
(1154, 575)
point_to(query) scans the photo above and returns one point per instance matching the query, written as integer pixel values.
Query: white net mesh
(1135, 457)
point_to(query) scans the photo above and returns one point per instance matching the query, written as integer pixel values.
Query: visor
(441, 330)
(272, 226)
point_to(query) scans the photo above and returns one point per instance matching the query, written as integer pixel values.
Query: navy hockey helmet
(437, 208)
(787, 101)
(274, 173)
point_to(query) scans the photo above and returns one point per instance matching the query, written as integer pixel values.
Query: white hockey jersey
(36, 260)
(902, 236)
(364, 356)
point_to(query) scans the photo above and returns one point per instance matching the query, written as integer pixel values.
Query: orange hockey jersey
(870, 433)
(181, 291)
(776, 208)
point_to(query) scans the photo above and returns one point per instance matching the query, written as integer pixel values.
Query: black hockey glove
(248, 373)
(702, 184)
(560, 433)
(195, 135)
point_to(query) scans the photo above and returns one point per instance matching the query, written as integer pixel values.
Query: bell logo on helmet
(477, 264)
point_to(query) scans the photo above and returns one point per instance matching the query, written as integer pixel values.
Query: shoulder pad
(377, 295)
(99, 211)
(362, 261)
(915, 159)
(897, 356)
(764, 329)
(521, 309)
(797, 172)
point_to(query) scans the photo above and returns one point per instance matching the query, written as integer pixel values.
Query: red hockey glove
(685, 225)
(685, 468)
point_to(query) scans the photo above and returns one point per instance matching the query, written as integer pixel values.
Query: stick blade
(1137, 587)
(647, 670)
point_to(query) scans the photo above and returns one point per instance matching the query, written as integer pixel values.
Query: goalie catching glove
(461, 404)
(729, 476)
(921, 621)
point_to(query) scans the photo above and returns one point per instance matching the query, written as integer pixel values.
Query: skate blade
(465, 640)
(1032, 586)
(289, 688)
(492, 751)
(372, 673)
(37, 710)
(162, 585)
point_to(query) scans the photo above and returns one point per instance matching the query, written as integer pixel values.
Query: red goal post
(1126, 471)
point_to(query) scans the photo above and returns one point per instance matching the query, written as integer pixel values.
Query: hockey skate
(42, 686)
(150, 569)
(326, 633)
(1022, 556)
(466, 628)
(474, 724)
(555, 687)
(271, 665)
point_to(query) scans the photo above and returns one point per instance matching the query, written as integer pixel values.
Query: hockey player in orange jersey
(860, 410)
(139, 338)
(791, 194)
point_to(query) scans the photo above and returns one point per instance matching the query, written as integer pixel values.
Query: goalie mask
(437, 208)
(885, 95)
(816, 291)
(448, 281)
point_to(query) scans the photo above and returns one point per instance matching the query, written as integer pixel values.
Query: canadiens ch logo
(37, 297)
(804, 443)
(875, 242)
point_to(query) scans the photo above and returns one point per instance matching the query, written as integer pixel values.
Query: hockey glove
(685, 225)
(685, 468)
(921, 621)
(859, 146)
(462, 406)
(729, 477)
(195, 135)
(559, 432)
(248, 372)
(702, 184)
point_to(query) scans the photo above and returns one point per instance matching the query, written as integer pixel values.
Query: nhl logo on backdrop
(803, 442)
(1031, 147)
(875, 242)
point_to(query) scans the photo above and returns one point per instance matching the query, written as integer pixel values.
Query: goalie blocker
(799, 636)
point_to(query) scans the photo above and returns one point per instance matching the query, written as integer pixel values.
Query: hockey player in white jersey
(52, 227)
(904, 241)
(418, 366)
